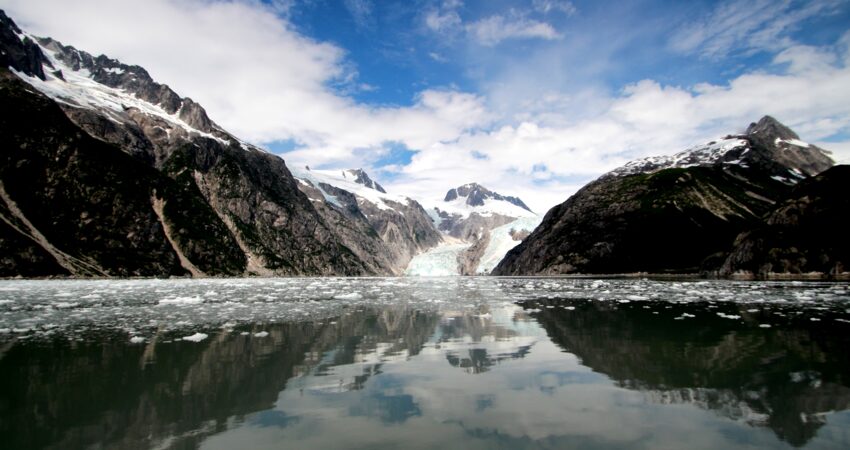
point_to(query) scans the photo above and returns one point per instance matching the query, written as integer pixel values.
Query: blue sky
(532, 98)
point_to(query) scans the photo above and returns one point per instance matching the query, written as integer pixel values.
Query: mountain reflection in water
(547, 372)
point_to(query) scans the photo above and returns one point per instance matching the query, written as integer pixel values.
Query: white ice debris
(197, 337)
(349, 296)
(181, 300)
(261, 334)
(137, 340)
(729, 316)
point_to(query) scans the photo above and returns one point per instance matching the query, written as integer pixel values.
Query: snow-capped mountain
(480, 225)
(778, 144)
(684, 213)
(468, 210)
(400, 222)
(108, 173)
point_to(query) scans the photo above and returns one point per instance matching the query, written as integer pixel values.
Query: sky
(530, 98)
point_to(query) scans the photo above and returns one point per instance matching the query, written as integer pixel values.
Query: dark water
(424, 363)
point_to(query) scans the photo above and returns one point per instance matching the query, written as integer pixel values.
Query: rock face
(678, 214)
(391, 229)
(108, 173)
(476, 194)
(805, 233)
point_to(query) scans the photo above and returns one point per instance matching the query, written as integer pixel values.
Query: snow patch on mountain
(76, 88)
(490, 207)
(347, 181)
(698, 155)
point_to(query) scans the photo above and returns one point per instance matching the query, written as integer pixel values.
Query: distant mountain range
(106, 172)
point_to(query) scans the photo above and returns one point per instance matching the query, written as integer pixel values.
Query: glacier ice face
(440, 261)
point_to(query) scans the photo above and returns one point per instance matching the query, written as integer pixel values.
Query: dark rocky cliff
(805, 233)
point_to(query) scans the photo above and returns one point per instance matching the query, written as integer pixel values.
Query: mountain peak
(476, 194)
(772, 129)
(361, 177)
(767, 144)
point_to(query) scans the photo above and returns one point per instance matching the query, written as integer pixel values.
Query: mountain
(479, 226)
(469, 209)
(106, 172)
(678, 214)
(396, 227)
(805, 233)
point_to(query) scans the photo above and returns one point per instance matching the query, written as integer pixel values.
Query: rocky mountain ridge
(149, 184)
(679, 214)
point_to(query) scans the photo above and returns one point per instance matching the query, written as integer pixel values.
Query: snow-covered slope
(473, 198)
(767, 143)
(347, 180)
(727, 151)
(399, 222)
(503, 239)
(490, 223)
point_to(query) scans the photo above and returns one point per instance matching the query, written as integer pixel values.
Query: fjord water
(424, 363)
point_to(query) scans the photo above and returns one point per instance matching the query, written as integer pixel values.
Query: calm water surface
(444, 363)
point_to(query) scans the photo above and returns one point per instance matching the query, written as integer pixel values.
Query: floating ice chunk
(197, 337)
(261, 334)
(181, 301)
(764, 325)
(571, 308)
(351, 296)
(729, 316)
(137, 340)
(814, 319)
(64, 304)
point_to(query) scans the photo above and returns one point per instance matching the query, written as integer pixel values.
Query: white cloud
(442, 20)
(361, 12)
(747, 26)
(495, 29)
(547, 6)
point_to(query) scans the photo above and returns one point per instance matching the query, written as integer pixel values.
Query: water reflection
(549, 373)
(788, 378)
